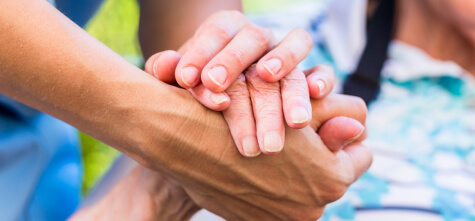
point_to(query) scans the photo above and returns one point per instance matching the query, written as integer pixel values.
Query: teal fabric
(423, 136)
(421, 128)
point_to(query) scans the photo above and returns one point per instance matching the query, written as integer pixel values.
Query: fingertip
(321, 80)
(272, 143)
(219, 101)
(162, 65)
(299, 118)
(187, 77)
(250, 147)
(214, 79)
(151, 63)
(273, 66)
(317, 87)
(339, 132)
(213, 101)
(265, 74)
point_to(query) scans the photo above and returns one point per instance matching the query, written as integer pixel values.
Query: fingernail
(218, 75)
(273, 66)
(351, 140)
(250, 147)
(299, 115)
(321, 85)
(189, 75)
(273, 142)
(154, 68)
(218, 98)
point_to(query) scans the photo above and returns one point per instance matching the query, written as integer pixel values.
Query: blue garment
(80, 11)
(40, 164)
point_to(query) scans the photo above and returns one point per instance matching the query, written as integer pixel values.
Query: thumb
(339, 132)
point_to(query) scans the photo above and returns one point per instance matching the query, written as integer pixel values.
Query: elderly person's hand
(284, 188)
(336, 129)
(294, 185)
(228, 41)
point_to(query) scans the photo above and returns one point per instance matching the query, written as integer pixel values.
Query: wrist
(142, 195)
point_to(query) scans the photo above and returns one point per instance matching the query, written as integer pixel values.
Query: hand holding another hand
(201, 165)
(209, 173)
(256, 116)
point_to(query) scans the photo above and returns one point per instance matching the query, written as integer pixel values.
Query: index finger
(281, 60)
(208, 41)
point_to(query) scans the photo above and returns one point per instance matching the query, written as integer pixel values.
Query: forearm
(49, 63)
(166, 25)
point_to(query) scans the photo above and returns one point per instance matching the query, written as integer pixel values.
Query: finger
(162, 66)
(267, 107)
(286, 56)
(360, 157)
(335, 105)
(296, 101)
(184, 48)
(210, 39)
(240, 119)
(321, 80)
(211, 100)
(339, 132)
(251, 43)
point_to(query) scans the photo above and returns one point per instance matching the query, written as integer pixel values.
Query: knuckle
(218, 31)
(269, 105)
(334, 192)
(235, 56)
(268, 31)
(293, 87)
(241, 116)
(295, 78)
(260, 88)
(258, 85)
(259, 34)
(251, 72)
(325, 67)
(200, 51)
(294, 57)
(230, 14)
(325, 71)
(305, 37)
(238, 88)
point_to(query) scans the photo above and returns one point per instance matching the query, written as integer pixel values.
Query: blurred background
(116, 25)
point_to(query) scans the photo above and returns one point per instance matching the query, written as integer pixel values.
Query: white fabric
(408, 63)
(344, 32)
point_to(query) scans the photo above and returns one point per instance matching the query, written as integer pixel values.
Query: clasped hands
(254, 104)
(205, 171)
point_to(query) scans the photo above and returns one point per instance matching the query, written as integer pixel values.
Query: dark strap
(365, 82)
